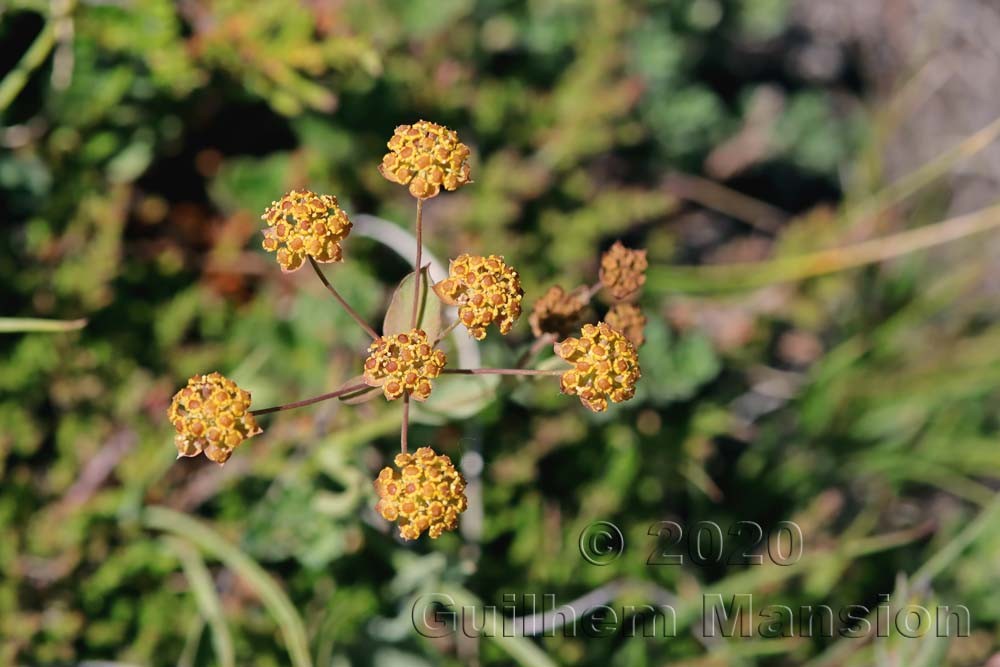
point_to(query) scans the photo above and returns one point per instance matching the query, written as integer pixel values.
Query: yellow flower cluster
(623, 270)
(485, 289)
(423, 492)
(403, 363)
(628, 319)
(605, 366)
(558, 312)
(426, 156)
(211, 415)
(303, 223)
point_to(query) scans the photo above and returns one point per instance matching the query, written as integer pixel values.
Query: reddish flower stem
(404, 434)
(447, 330)
(499, 371)
(336, 295)
(309, 401)
(536, 347)
(549, 338)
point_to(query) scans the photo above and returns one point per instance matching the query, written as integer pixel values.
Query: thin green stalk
(270, 593)
(927, 173)
(38, 325)
(522, 650)
(207, 599)
(17, 78)
(943, 558)
(788, 269)
(191, 642)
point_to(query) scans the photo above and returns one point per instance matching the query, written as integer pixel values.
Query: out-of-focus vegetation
(141, 141)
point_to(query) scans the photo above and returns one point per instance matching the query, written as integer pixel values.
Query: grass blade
(523, 650)
(207, 599)
(722, 277)
(38, 325)
(275, 599)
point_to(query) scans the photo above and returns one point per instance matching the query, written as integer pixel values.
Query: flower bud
(628, 319)
(623, 271)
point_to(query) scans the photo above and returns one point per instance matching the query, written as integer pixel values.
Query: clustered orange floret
(403, 363)
(628, 319)
(211, 415)
(303, 223)
(426, 156)
(423, 493)
(558, 311)
(605, 366)
(485, 289)
(623, 271)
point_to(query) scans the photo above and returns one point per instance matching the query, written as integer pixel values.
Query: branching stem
(404, 433)
(447, 330)
(499, 371)
(309, 401)
(336, 295)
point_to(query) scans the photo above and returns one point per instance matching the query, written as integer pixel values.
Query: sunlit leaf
(400, 311)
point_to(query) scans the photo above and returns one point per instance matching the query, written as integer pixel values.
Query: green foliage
(857, 404)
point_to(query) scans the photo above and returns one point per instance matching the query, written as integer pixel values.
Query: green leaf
(36, 325)
(400, 311)
(456, 397)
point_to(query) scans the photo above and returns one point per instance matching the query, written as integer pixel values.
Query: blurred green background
(142, 139)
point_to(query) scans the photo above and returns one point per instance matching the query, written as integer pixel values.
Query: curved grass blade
(748, 275)
(273, 597)
(206, 598)
(521, 649)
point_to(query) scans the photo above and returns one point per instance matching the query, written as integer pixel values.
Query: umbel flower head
(623, 270)
(426, 156)
(558, 312)
(403, 363)
(303, 223)
(605, 366)
(423, 492)
(485, 289)
(628, 319)
(211, 415)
